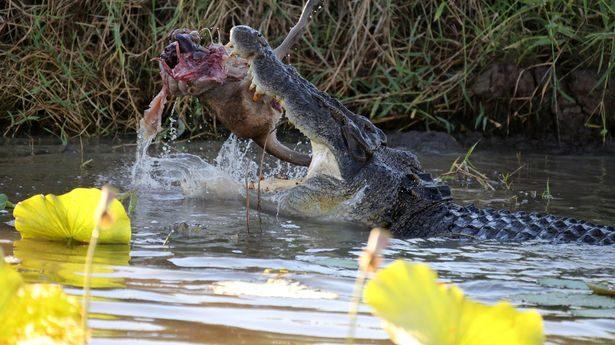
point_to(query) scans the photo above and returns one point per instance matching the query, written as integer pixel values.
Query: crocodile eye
(260, 35)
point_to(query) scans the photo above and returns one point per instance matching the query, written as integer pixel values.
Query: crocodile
(207, 72)
(355, 176)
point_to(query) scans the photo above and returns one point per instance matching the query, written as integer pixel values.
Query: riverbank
(539, 69)
(442, 142)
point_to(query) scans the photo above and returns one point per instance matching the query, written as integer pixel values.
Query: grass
(506, 178)
(463, 169)
(546, 195)
(75, 68)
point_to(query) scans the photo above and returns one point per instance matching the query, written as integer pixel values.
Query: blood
(205, 64)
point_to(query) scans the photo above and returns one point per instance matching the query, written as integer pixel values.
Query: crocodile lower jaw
(323, 160)
(276, 184)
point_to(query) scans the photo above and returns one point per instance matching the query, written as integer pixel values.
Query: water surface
(178, 282)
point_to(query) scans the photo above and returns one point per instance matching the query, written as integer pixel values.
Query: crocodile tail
(277, 149)
(521, 226)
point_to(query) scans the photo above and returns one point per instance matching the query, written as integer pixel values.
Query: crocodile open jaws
(354, 176)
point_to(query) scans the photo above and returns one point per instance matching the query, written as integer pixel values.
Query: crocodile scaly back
(522, 226)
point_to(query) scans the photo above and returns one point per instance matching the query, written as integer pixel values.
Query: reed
(72, 67)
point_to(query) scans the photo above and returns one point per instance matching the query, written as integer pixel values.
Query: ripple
(164, 294)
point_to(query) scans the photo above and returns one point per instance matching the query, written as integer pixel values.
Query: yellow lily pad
(58, 263)
(70, 217)
(10, 281)
(36, 313)
(416, 309)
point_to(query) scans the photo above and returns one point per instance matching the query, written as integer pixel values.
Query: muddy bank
(571, 107)
(442, 142)
(517, 108)
(548, 145)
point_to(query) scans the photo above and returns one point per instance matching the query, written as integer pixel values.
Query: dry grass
(74, 67)
(464, 170)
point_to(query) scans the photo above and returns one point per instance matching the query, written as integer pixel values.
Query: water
(183, 279)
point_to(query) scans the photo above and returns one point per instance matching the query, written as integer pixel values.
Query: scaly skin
(355, 176)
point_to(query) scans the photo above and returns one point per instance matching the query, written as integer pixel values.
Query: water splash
(234, 159)
(225, 177)
(142, 162)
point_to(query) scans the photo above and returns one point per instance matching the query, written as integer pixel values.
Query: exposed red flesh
(206, 64)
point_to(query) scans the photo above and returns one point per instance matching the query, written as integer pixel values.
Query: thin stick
(296, 31)
(354, 305)
(166, 240)
(247, 202)
(260, 176)
(369, 260)
(81, 151)
(106, 198)
(87, 280)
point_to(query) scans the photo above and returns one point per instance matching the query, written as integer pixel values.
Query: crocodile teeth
(258, 93)
(252, 86)
(257, 96)
(233, 52)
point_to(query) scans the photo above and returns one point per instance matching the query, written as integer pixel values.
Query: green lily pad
(3, 200)
(562, 283)
(568, 299)
(595, 313)
(603, 288)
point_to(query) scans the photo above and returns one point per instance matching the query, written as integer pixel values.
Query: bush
(74, 67)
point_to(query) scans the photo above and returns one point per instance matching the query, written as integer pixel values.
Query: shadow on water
(189, 234)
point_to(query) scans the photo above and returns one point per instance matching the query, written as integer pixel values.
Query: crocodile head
(353, 174)
(342, 142)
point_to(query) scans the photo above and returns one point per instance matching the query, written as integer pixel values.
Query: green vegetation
(78, 68)
(506, 177)
(464, 170)
(546, 195)
(5, 203)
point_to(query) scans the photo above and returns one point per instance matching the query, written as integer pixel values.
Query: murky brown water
(157, 293)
